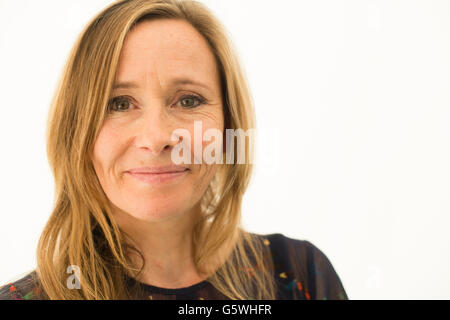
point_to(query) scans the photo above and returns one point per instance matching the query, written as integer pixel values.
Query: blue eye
(191, 101)
(122, 105)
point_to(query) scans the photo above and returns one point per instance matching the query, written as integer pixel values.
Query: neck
(166, 247)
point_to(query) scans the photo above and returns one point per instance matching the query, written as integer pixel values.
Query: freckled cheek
(106, 149)
(215, 123)
(201, 137)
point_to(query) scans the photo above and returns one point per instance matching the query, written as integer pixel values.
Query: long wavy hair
(81, 230)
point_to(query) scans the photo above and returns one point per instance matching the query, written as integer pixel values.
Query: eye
(191, 101)
(119, 104)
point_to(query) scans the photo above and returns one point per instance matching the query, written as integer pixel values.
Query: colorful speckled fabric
(302, 272)
(23, 289)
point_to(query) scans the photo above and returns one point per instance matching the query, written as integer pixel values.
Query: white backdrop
(352, 101)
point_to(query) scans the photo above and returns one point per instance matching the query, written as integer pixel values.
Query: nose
(155, 129)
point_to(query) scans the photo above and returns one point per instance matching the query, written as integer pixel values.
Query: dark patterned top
(302, 272)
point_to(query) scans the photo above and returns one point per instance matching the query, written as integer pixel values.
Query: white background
(352, 102)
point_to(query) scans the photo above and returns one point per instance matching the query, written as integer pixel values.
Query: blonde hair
(81, 230)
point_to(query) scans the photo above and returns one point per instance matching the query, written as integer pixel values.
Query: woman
(132, 222)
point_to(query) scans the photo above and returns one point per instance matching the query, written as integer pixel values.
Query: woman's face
(172, 80)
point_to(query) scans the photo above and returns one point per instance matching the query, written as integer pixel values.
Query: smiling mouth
(158, 177)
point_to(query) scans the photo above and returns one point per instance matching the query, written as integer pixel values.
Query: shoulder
(302, 266)
(288, 251)
(25, 288)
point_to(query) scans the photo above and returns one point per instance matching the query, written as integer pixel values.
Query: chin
(156, 211)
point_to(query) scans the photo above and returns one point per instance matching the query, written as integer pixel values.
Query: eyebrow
(176, 81)
(125, 85)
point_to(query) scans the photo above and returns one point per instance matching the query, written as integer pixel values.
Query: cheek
(213, 121)
(204, 140)
(207, 171)
(105, 149)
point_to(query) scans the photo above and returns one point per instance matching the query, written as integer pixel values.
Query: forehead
(166, 48)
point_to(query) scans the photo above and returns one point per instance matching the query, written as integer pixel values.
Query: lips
(157, 175)
(158, 169)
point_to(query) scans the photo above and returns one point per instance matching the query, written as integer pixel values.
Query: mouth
(157, 169)
(156, 175)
